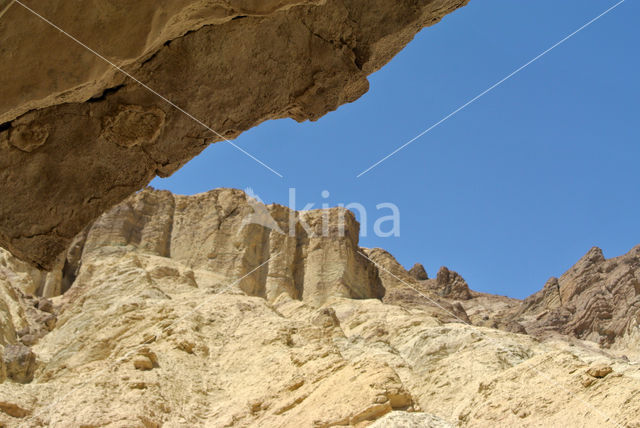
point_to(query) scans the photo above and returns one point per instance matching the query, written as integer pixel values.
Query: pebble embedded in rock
(142, 362)
(29, 339)
(45, 305)
(599, 371)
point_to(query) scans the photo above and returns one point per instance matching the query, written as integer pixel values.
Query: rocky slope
(78, 136)
(199, 311)
(448, 295)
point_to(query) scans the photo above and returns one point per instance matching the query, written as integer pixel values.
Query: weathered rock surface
(78, 137)
(19, 363)
(599, 371)
(222, 234)
(451, 284)
(410, 420)
(225, 358)
(596, 300)
(403, 289)
(446, 297)
(205, 311)
(418, 272)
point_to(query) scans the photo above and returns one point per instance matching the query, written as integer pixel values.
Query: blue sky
(510, 191)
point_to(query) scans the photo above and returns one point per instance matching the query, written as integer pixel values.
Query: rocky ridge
(197, 310)
(596, 300)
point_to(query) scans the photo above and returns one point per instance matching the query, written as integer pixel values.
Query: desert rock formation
(418, 272)
(222, 234)
(198, 311)
(596, 300)
(77, 136)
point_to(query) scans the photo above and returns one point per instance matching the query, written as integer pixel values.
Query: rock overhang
(79, 136)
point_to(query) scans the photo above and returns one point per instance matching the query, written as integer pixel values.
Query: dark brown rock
(418, 272)
(598, 299)
(48, 321)
(45, 305)
(29, 339)
(13, 410)
(451, 285)
(20, 363)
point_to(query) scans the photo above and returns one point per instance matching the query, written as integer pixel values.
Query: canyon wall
(222, 234)
(206, 310)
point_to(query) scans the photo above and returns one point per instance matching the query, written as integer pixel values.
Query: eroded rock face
(79, 137)
(403, 289)
(204, 311)
(222, 234)
(450, 284)
(313, 256)
(223, 358)
(596, 300)
(446, 297)
(65, 73)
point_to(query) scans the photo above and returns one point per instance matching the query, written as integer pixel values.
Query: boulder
(20, 363)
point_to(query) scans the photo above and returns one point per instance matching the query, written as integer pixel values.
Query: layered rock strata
(598, 300)
(206, 310)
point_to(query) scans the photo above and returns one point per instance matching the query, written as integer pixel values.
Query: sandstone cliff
(78, 136)
(222, 234)
(199, 311)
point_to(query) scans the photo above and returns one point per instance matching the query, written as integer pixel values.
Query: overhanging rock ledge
(77, 136)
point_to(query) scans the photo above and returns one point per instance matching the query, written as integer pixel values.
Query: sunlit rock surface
(199, 311)
(77, 136)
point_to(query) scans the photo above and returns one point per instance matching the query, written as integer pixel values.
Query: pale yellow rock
(3, 369)
(599, 371)
(218, 235)
(19, 274)
(12, 310)
(251, 364)
(142, 362)
(156, 333)
(410, 420)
